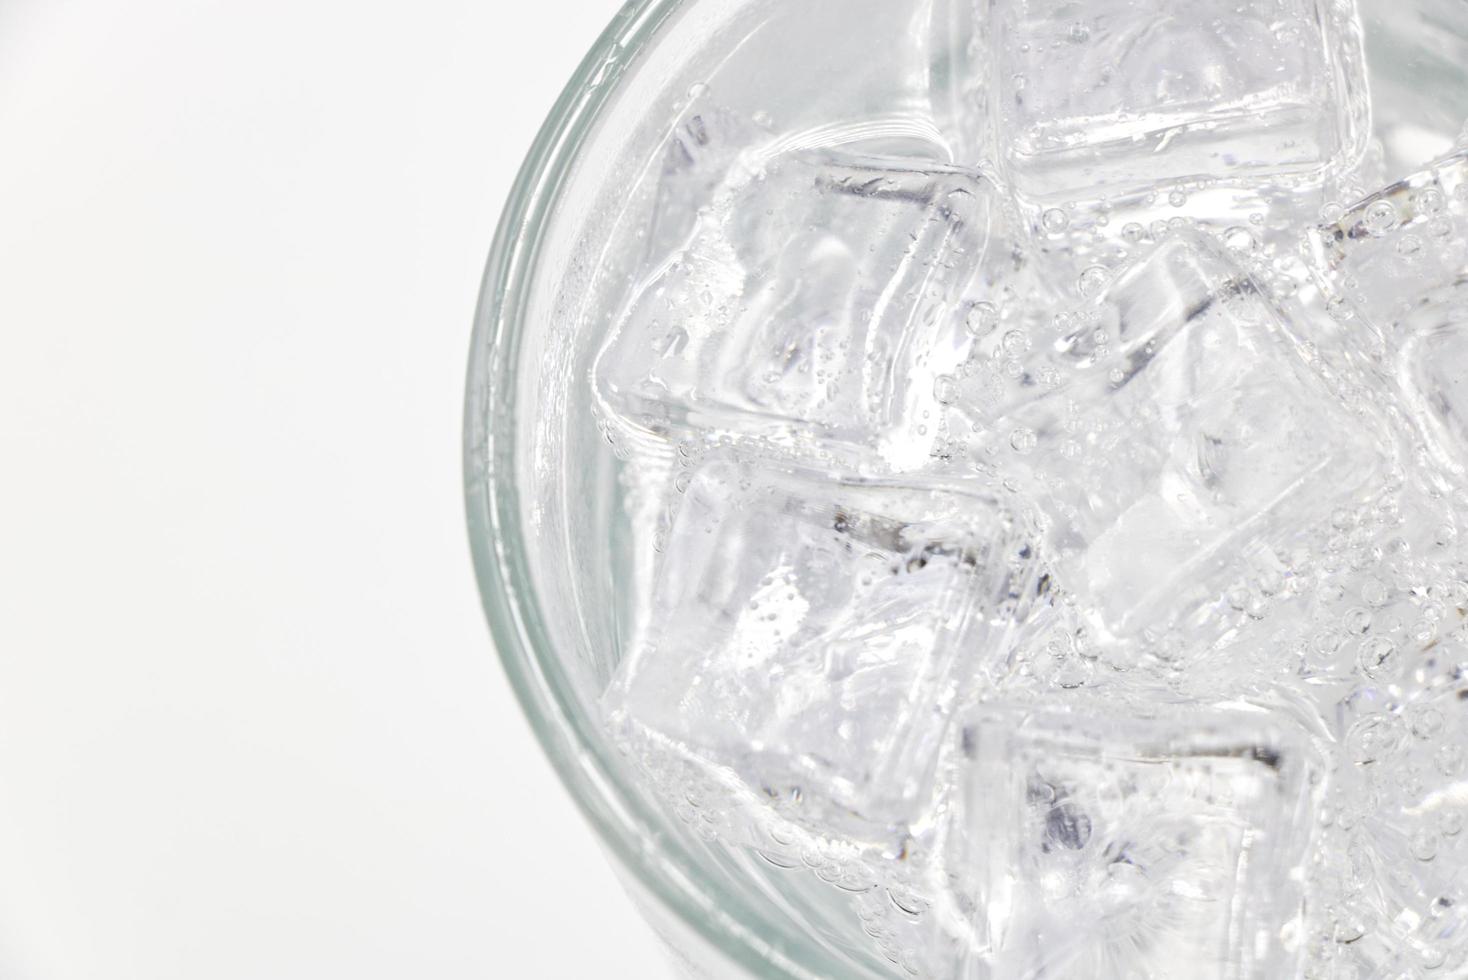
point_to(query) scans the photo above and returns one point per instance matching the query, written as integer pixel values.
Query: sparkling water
(1050, 512)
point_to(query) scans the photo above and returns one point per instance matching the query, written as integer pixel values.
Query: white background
(251, 725)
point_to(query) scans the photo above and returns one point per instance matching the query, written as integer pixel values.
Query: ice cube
(1194, 433)
(1121, 104)
(1391, 884)
(1432, 370)
(1396, 269)
(705, 145)
(810, 633)
(1394, 247)
(811, 307)
(1104, 844)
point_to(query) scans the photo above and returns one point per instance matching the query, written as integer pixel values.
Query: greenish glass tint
(662, 873)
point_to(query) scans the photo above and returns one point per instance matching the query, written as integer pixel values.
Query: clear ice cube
(810, 307)
(1109, 843)
(811, 633)
(1396, 269)
(1117, 99)
(704, 147)
(1194, 432)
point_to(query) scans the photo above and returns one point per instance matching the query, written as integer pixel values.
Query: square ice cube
(1200, 434)
(1105, 97)
(1396, 271)
(810, 306)
(811, 634)
(1104, 845)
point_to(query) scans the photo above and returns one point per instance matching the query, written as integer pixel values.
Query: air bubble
(1377, 658)
(1375, 592)
(1326, 643)
(1373, 739)
(1177, 198)
(1339, 310)
(945, 389)
(1409, 782)
(1023, 441)
(1055, 220)
(1423, 845)
(1427, 722)
(1093, 280)
(1430, 200)
(982, 318)
(1239, 239)
(1356, 621)
(1380, 217)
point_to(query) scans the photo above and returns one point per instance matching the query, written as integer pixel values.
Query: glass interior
(559, 567)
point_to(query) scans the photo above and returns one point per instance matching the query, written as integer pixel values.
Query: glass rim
(762, 944)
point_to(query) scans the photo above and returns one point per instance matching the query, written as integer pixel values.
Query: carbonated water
(1055, 526)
